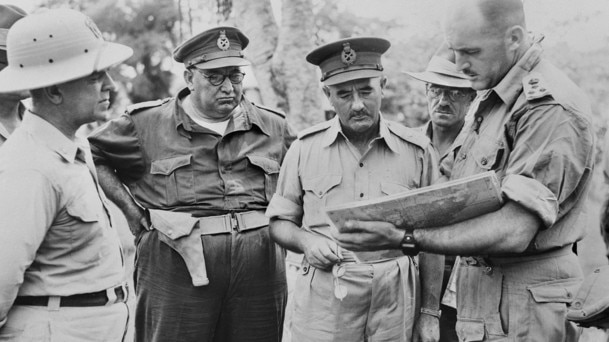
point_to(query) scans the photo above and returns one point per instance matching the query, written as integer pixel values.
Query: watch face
(409, 244)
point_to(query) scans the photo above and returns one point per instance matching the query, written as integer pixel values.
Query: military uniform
(322, 168)
(533, 130)
(196, 184)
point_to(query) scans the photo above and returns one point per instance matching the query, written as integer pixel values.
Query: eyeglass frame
(224, 76)
(453, 93)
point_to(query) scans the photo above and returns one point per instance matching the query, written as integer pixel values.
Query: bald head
(496, 15)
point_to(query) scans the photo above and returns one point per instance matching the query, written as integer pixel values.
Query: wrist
(431, 312)
(409, 244)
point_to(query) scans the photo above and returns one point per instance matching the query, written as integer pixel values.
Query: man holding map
(531, 126)
(358, 155)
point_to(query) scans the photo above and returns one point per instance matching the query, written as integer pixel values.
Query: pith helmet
(54, 47)
(9, 14)
(442, 70)
(215, 48)
(349, 59)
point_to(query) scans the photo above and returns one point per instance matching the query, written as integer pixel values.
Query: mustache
(359, 112)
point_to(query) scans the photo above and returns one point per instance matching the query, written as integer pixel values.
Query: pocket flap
(173, 225)
(322, 184)
(167, 166)
(393, 188)
(470, 330)
(269, 165)
(82, 209)
(557, 291)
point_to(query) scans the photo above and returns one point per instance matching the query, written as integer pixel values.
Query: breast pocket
(317, 191)
(175, 177)
(489, 154)
(389, 188)
(86, 230)
(270, 167)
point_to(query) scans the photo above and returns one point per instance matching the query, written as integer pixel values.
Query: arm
(28, 204)
(319, 251)
(507, 230)
(117, 193)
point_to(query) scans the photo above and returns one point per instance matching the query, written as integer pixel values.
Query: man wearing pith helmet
(358, 155)
(200, 168)
(62, 271)
(449, 96)
(11, 108)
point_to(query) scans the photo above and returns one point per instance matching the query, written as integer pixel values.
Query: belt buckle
(234, 222)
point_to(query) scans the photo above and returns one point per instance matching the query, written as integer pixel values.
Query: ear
(514, 37)
(383, 84)
(188, 75)
(54, 93)
(326, 91)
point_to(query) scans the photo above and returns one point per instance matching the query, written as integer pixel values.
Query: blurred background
(282, 32)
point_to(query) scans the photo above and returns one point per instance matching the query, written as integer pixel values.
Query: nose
(443, 98)
(108, 84)
(226, 85)
(461, 61)
(357, 104)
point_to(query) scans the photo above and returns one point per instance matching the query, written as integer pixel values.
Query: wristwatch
(409, 244)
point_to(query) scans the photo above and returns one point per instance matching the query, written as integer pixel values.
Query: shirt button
(361, 195)
(320, 193)
(361, 164)
(484, 161)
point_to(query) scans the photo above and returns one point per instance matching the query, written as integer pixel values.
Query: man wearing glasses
(449, 96)
(200, 169)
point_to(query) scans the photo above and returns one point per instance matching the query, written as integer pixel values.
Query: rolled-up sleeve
(550, 163)
(116, 144)
(26, 216)
(286, 203)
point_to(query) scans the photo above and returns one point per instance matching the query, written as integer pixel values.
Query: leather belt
(236, 221)
(100, 298)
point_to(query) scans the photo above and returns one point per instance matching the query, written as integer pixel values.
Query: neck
(58, 121)
(361, 140)
(193, 111)
(9, 115)
(443, 137)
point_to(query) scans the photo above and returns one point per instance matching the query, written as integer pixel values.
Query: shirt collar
(335, 129)
(243, 116)
(510, 86)
(53, 138)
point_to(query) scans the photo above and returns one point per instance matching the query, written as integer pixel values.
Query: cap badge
(223, 42)
(348, 55)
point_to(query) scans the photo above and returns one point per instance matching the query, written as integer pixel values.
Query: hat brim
(14, 78)
(223, 62)
(440, 79)
(352, 75)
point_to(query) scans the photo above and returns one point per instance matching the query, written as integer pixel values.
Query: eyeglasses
(453, 94)
(217, 79)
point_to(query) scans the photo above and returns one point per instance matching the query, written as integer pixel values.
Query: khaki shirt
(57, 238)
(171, 163)
(534, 130)
(323, 168)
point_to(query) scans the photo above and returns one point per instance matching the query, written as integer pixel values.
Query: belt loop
(54, 303)
(111, 296)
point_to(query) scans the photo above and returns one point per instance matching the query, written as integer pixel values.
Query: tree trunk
(256, 20)
(285, 79)
(295, 79)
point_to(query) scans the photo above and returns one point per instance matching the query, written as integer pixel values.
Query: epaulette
(272, 110)
(409, 134)
(535, 87)
(132, 109)
(322, 126)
